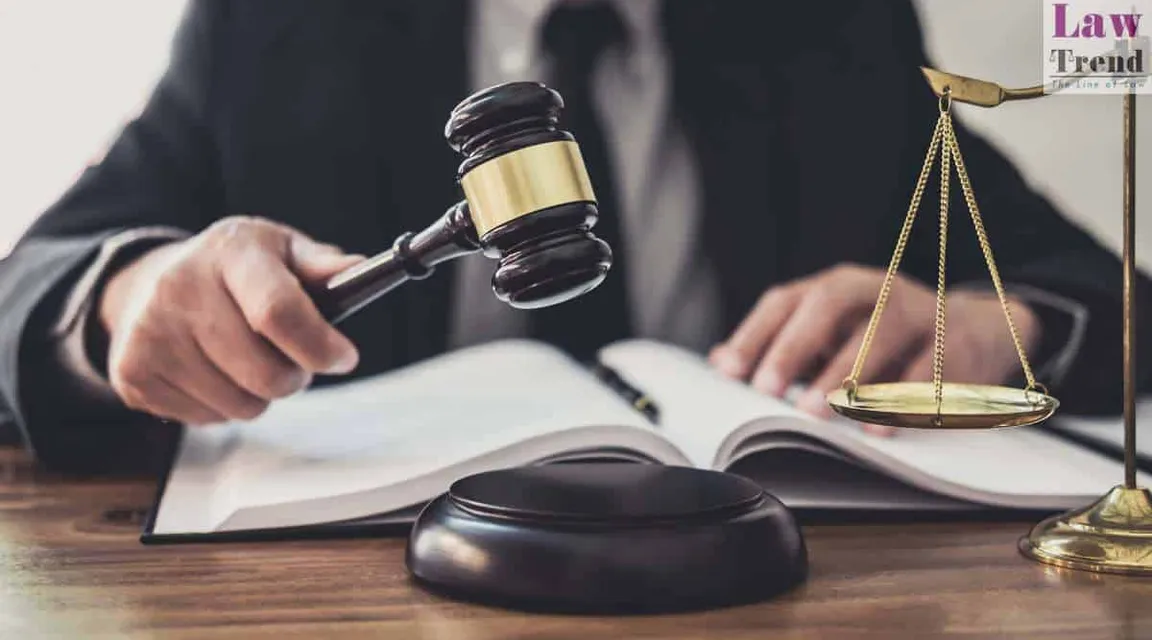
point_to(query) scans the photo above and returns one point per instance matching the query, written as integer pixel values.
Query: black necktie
(576, 35)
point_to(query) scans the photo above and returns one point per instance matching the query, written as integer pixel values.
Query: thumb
(315, 262)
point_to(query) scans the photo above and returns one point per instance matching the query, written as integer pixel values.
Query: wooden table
(72, 567)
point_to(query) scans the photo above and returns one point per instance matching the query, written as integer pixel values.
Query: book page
(1108, 431)
(403, 426)
(1023, 467)
(699, 408)
(709, 417)
(804, 473)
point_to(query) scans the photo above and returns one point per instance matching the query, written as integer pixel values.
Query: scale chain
(941, 298)
(943, 140)
(986, 248)
(897, 256)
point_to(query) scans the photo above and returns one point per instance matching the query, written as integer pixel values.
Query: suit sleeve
(1075, 282)
(161, 172)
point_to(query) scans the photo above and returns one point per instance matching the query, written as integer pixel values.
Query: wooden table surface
(72, 567)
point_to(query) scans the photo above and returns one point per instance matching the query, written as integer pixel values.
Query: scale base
(1113, 535)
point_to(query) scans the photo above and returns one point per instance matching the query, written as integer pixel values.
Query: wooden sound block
(606, 538)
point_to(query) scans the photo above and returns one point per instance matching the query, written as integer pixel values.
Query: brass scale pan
(913, 405)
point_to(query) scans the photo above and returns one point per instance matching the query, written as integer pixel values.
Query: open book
(376, 450)
(1106, 433)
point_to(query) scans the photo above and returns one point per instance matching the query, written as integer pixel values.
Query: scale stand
(1113, 535)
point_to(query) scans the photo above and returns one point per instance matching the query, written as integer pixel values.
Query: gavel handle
(412, 257)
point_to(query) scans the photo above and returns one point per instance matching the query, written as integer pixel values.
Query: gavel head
(528, 195)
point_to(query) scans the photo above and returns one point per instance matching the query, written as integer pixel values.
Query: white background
(71, 72)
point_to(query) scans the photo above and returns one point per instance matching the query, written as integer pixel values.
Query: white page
(1003, 466)
(805, 475)
(1109, 430)
(704, 408)
(698, 407)
(396, 427)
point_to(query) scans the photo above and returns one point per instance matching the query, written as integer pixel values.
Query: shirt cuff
(74, 329)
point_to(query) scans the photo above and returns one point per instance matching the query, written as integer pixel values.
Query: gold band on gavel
(526, 180)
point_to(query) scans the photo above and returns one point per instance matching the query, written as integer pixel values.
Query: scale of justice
(1112, 535)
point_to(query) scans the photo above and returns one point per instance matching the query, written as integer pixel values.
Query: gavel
(528, 204)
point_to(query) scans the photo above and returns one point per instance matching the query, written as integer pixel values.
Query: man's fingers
(308, 258)
(919, 368)
(813, 401)
(890, 347)
(315, 262)
(807, 334)
(246, 357)
(167, 401)
(276, 306)
(882, 430)
(192, 372)
(737, 357)
(148, 391)
(215, 327)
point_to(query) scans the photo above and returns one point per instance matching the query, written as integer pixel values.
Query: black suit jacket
(808, 133)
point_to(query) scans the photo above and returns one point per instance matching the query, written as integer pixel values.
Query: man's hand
(813, 328)
(216, 327)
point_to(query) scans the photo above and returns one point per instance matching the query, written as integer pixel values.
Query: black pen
(635, 397)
